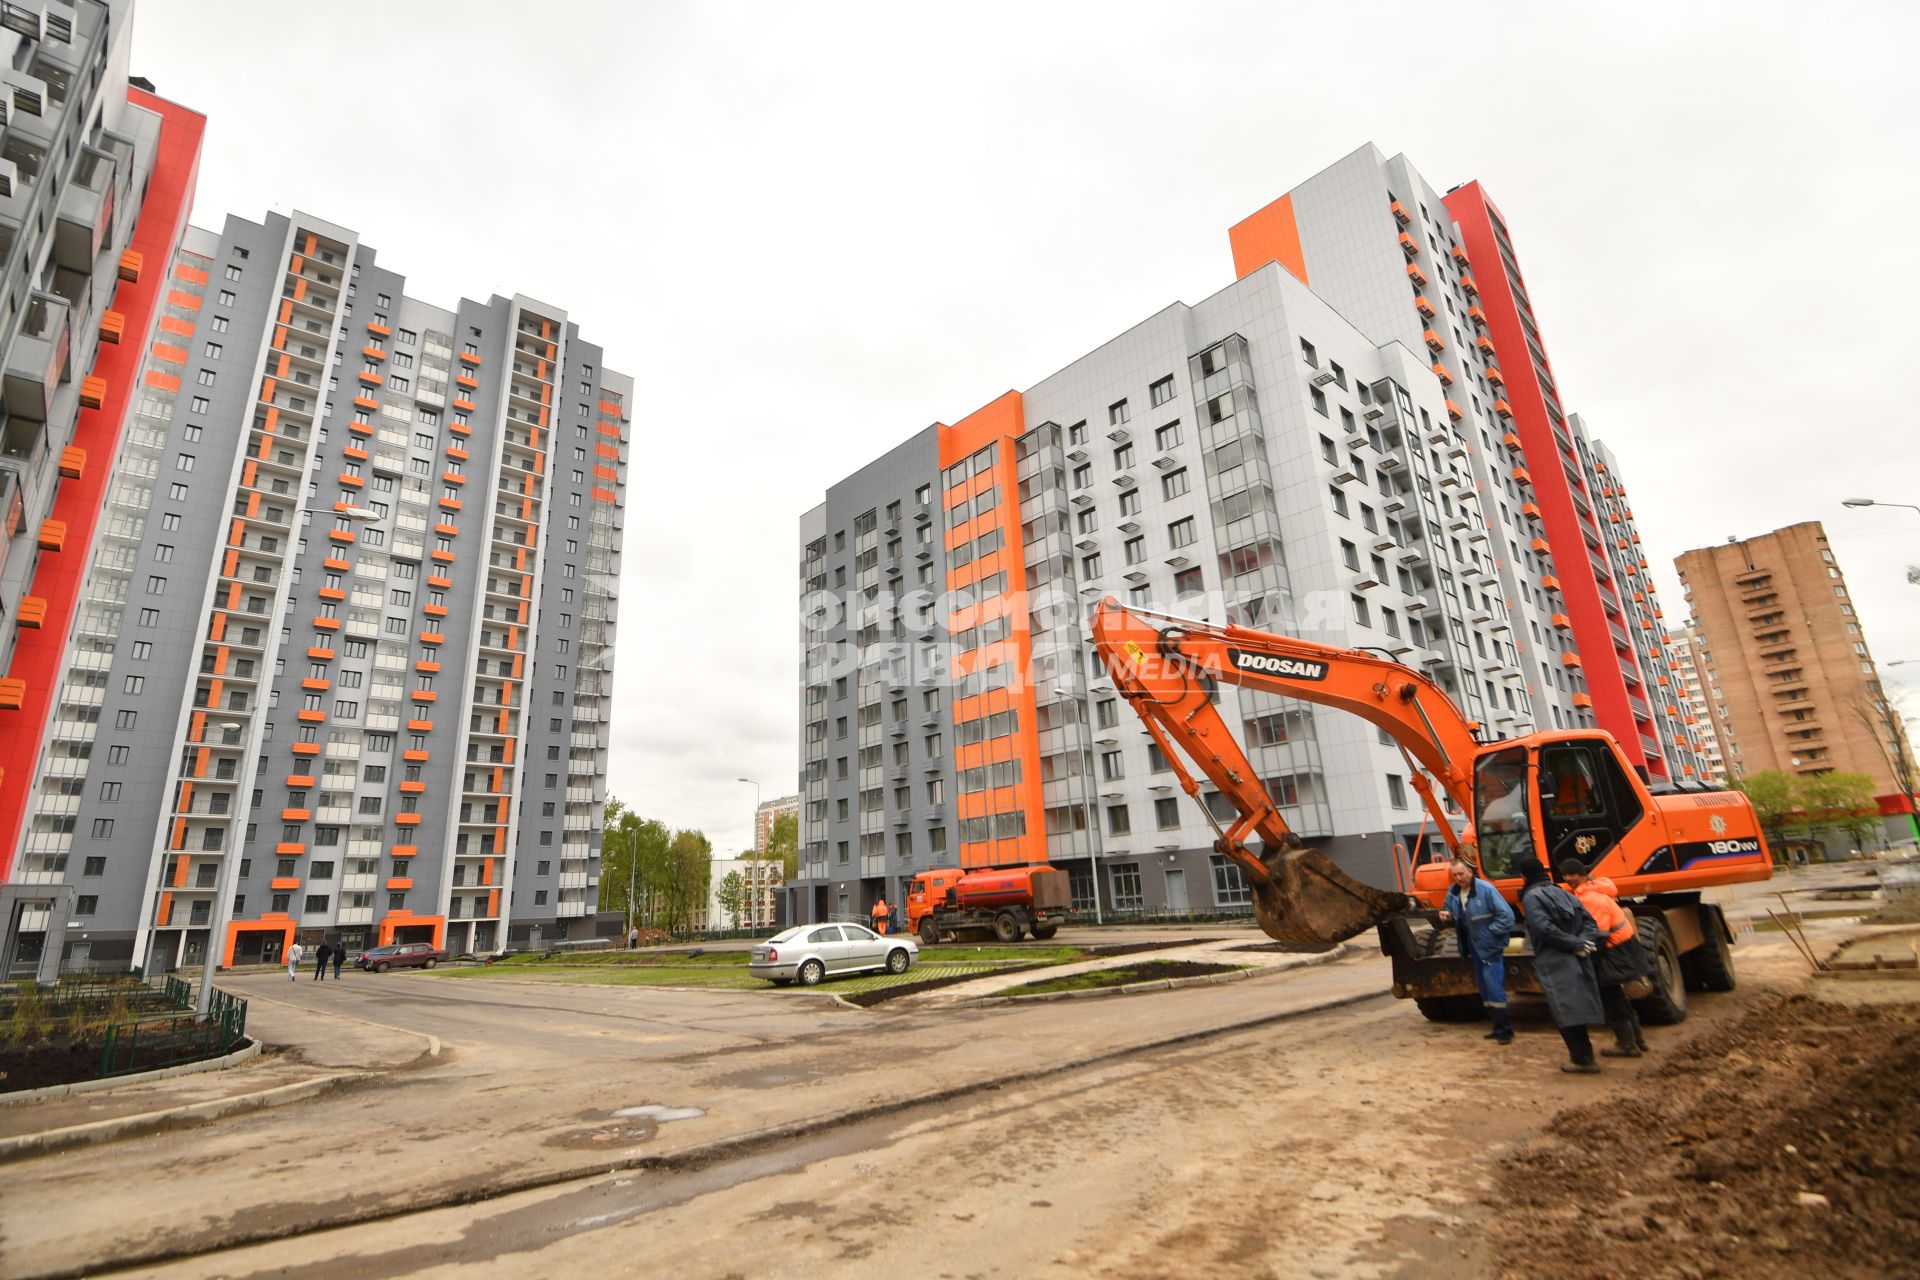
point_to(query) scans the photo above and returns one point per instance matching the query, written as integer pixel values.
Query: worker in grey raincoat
(1564, 939)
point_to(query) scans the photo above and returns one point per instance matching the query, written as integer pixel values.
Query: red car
(400, 955)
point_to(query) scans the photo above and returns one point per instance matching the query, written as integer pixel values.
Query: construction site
(1283, 1116)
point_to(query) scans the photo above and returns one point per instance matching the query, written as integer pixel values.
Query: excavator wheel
(1309, 899)
(1668, 1003)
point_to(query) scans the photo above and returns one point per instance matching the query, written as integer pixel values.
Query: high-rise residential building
(767, 814)
(96, 181)
(1653, 672)
(1324, 448)
(1786, 658)
(1703, 699)
(1580, 511)
(341, 654)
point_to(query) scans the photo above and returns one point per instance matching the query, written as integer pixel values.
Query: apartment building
(1325, 447)
(1786, 658)
(1651, 670)
(96, 181)
(340, 661)
(1702, 697)
(769, 812)
(760, 883)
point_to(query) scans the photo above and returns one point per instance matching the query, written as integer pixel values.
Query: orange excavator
(1552, 795)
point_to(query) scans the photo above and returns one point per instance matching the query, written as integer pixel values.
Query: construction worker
(1483, 922)
(882, 913)
(1565, 940)
(1620, 960)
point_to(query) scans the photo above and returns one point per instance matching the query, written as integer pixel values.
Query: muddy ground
(1786, 1144)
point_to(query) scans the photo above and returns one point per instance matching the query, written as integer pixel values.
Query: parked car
(400, 955)
(811, 952)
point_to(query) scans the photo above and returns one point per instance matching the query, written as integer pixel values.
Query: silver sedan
(811, 952)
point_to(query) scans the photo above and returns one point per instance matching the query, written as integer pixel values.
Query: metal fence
(175, 1035)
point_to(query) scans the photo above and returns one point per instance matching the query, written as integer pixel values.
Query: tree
(732, 894)
(783, 842)
(1842, 800)
(1882, 720)
(1775, 799)
(632, 851)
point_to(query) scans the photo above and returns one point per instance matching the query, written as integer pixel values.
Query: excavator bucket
(1308, 899)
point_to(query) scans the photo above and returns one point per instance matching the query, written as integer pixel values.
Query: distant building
(1702, 701)
(767, 814)
(1786, 659)
(763, 879)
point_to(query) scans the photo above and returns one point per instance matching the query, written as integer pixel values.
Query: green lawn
(726, 970)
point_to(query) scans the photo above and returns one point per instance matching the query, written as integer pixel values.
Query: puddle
(660, 1115)
(627, 1127)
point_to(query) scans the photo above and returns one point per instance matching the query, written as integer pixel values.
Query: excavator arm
(1167, 675)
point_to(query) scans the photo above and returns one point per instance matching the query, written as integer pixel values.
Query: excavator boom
(1167, 675)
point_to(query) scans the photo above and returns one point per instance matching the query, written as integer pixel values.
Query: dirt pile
(1784, 1145)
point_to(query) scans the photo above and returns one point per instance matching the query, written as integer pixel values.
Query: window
(1174, 483)
(1396, 791)
(1166, 437)
(213, 350)
(1166, 813)
(1130, 503)
(94, 867)
(1181, 533)
(126, 719)
(1308, 354)
(1090, 566)
(1339, 500)
(1119, 820)
(103, 828)
(177, 491)
(205, 378)
(1360, 614)
(1082, 476)
(1118, 413)
(1161, 391)
(1136, 549)
(1230, 887)
(233, 273)
(1123, 881)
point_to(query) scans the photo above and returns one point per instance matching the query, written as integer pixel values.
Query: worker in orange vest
(1621, 958)
(881, 914)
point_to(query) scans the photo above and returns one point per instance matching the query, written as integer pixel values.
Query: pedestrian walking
(321, 957)
(1483, 922)
(1620, 960)
(294, 955)
(1565, 940)
(882, 913)
(339, 958)
(633, 939)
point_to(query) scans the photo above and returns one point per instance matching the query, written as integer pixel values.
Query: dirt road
(1279, 1152)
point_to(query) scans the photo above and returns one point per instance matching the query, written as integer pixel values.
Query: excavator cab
(1586, 802)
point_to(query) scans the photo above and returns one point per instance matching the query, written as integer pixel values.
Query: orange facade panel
(1271, 235)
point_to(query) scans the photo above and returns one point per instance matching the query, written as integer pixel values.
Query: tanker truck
(1005, 902)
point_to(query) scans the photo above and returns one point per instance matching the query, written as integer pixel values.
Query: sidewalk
(302, 1047)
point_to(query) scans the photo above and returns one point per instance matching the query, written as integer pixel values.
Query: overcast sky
(811, 230)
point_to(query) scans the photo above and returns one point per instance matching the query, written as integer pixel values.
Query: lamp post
(1875, 502)
(753, 863)
(1093, 810)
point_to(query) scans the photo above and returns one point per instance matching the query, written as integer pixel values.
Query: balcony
(86, 212)
(38, 361)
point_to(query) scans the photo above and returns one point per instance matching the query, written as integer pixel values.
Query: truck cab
(929, 890)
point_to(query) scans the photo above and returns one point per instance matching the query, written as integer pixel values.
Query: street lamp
(1093, 810)
(1874, 502)
(753, 863)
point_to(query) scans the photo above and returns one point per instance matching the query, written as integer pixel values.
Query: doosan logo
(1268, 665)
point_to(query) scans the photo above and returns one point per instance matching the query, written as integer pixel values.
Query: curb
(737, 1147)
(233, 1059)
(29, 1144)
(1161, 984)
